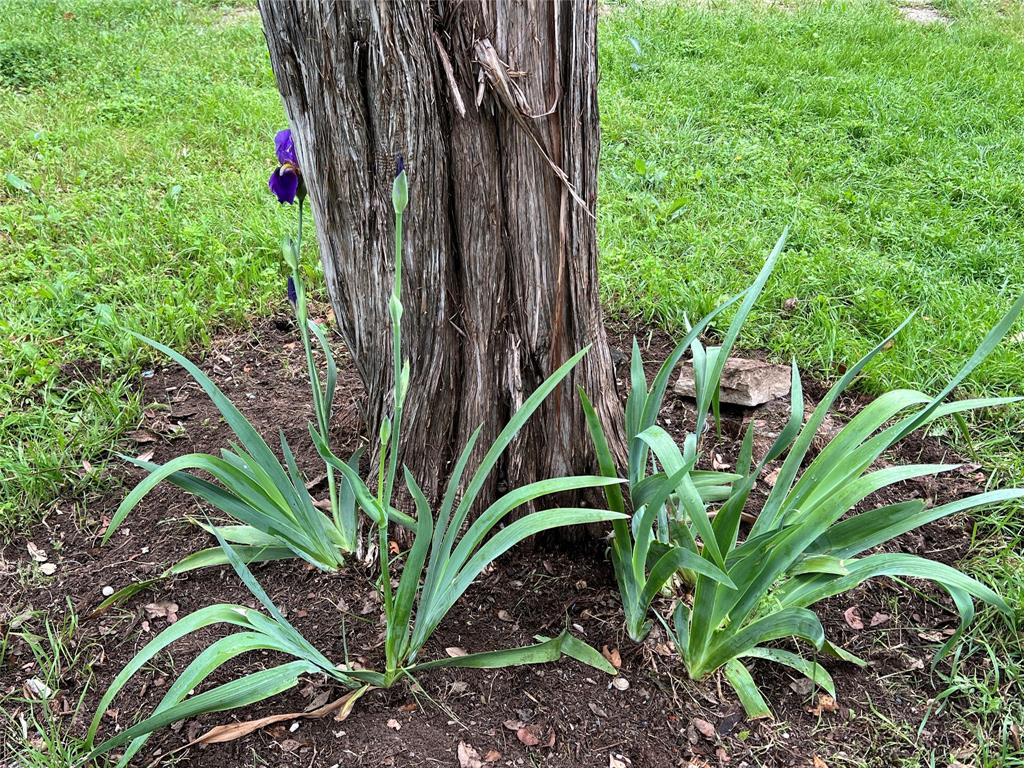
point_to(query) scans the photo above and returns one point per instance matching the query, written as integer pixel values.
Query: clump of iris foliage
(274, 513)
(750, 588)
(277, 520)
(676, 525)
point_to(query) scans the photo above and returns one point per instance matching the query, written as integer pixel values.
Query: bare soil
(661, 719)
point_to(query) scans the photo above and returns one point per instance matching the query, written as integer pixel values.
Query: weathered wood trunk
(493, 105)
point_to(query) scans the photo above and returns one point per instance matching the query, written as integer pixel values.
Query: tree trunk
(493, 105)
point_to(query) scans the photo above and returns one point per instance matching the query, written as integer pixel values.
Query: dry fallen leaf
(802, 686)
(48, 569)
(772, 477)
(819, 763)
(932, 636)
(537, 734)
(617, 761)
(613, 656)
(221, 733)
(879, 619)
(163, 609)
(35, 688)
(492, 756)
(852, 617)
(513, 725)
(36, 553)
(825, 704)
(505, 616)
(704, 728)
(469, 757)
(455, 651)
(597, 710)
(664, 649)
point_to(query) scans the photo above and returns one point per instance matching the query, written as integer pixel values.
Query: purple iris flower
(293, 297)
(284, 181)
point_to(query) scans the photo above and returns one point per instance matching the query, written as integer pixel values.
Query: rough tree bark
(493, 105)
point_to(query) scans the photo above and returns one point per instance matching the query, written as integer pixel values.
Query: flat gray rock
(744, 382)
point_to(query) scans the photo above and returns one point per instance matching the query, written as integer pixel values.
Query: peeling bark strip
(500, 249)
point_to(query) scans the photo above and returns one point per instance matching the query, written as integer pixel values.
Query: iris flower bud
(400, 187)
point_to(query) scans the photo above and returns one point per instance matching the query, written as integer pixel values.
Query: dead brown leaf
(163, 609)
(878, 619)
(819, 763)
(492, 756)
(504, 615)
(36, 553)
(537, 735)
(221, 733)
(852, 617)
(613, 656)
(455, 651)
(704, 728)
(825, 704)
(468, 756)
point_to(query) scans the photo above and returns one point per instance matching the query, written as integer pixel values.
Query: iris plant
(286, 180)
(809, 541)
(446, 557)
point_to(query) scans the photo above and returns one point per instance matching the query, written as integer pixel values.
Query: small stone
(107, 591)
(744, 382)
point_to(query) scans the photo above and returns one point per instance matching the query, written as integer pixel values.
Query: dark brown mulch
(654, 722)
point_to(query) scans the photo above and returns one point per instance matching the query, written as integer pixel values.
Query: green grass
(896, 152)
(137, 141)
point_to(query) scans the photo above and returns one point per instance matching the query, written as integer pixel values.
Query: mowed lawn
(137, 140)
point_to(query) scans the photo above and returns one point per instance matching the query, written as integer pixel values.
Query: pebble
(107, 591)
